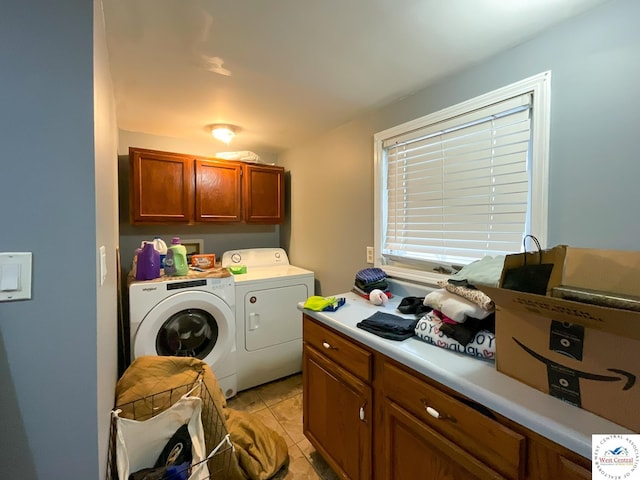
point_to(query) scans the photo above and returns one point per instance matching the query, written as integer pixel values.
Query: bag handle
(524, 245)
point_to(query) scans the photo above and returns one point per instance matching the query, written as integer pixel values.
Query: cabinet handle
(434, 413)
(361, 413)
(328, 346)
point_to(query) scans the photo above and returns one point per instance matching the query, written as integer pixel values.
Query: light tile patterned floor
(279, 405)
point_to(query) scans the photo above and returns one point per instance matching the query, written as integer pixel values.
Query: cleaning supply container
(161, 247)
(148, 263)
(176, 261)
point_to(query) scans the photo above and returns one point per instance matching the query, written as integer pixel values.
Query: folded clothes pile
(370, 279)
(389, 326)
(463, 317)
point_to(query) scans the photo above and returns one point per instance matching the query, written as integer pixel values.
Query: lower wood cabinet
(373, 418)
(467, 438)
(337, 415)
(414, 450)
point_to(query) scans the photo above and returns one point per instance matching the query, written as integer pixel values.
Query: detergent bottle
(147, 263)
(161, 247)
(175, 262)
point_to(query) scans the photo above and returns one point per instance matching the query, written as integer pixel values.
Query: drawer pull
(435, 414)
(361, 412)
(328, 346)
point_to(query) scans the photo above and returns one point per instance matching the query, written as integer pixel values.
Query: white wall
(106, 214)
(594, 171)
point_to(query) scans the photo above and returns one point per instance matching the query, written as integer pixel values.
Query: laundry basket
(221, 451)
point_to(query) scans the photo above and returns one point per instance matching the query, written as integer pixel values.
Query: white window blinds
(458, 190)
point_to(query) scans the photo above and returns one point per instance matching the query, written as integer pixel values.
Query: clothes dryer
(268, 322)
(193, 315)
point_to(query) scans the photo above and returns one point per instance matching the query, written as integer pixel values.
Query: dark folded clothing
(369, 286)
(389, 326)
(414, 305)
(465, 332)
(372, 274)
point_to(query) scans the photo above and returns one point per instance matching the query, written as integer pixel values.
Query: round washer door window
(193, 323)
(188, 333)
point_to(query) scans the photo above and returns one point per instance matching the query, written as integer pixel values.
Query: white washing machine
(187, 316)
(268, 322)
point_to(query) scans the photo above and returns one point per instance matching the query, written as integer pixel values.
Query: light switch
(103, 265)
(9, 277)
(15, 276)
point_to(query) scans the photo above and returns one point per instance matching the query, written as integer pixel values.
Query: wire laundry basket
(221, 455)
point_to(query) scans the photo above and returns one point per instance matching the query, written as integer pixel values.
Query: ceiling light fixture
(224, 133)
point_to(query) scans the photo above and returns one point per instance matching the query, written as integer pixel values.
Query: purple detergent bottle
(148, 263)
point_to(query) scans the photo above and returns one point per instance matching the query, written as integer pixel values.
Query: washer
(187, 316)
(268, 322)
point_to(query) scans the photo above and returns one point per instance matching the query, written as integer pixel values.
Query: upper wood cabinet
(177, 188)
(263, 193)
(161, 187)
(218, 191)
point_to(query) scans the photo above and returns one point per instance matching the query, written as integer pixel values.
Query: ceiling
(284, 71)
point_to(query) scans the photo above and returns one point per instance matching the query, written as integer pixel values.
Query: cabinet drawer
(485, 438)
(342, 351)
(572, 471)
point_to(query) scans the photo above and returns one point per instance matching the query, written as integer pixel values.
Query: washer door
(192, 323)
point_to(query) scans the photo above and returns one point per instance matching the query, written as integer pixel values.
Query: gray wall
(594, 170)
(54, 386)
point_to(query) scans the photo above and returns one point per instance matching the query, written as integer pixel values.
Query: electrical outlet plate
(369, 254)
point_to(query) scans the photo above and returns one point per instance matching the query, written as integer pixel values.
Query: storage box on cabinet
(585, 354)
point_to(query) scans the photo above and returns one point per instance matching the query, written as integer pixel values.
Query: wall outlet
(369, 254)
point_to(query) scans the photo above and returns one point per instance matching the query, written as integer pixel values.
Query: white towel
(454, 306)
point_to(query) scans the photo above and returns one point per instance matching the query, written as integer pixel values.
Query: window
(463, 183)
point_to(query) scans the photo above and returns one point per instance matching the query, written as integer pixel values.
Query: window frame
(539, 86)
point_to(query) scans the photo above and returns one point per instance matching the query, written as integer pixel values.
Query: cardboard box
(584, 354)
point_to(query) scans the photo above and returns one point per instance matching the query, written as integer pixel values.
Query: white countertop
(477, 379)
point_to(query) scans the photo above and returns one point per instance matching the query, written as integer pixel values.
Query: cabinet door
(263, 194)
(217, 187)
(161, 188)
(569, 470)
(337, 416)
(414, 450)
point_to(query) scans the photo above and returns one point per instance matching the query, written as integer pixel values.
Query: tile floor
(279, 405)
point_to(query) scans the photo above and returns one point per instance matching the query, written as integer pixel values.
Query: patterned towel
(471, 294)
(483, 345)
